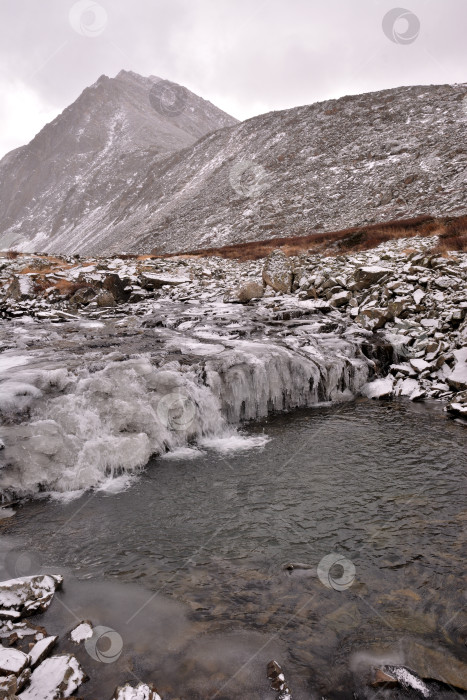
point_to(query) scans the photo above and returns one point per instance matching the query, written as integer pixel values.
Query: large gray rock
(277, 272)
(104, 298)
(340, 299)
(116, 286)
(83, 296)
(367, 276)
(372, 318)
(245, 293)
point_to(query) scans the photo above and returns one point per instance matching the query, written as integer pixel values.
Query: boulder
(372, 318)
(83, 296)
(379, 388)
(26, 596)
(245, 293)
(396, 309)
(41, 649)
(457, 380)
(104, 298)
(436, 664)
(13, 661)
(117, 287)
(340, 299)
(56, 677)
(367, 276)
(419, 365)
(277, 272)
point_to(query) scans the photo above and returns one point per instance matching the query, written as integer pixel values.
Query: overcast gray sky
(246, 56)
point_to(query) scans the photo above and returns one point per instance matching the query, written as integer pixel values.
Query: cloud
(246, 57)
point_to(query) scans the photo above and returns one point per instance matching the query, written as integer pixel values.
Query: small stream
(187, 563)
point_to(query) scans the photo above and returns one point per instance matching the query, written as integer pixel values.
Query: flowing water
(206, 531)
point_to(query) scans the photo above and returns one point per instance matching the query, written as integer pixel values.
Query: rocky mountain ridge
(110, 185)
(87, 158)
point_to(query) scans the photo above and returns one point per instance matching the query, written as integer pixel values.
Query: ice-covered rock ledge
(189, 348)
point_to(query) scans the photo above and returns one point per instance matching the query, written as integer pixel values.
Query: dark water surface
(381, 484)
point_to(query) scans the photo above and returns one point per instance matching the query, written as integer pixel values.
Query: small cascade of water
(71, 428)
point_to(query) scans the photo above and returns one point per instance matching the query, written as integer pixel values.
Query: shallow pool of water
(380, 484)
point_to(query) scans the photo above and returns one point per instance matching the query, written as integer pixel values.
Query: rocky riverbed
(403, 305)
(106, 362)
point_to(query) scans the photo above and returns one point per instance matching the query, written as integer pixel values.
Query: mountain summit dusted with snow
(132, 165)
(55, 192)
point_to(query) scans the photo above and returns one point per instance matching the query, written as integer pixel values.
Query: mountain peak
(87, 153)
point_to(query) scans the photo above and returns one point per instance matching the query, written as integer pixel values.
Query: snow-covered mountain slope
(93, 153)
(359, 159)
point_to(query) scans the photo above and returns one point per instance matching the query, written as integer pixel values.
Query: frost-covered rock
(408, 679)
(13, 661)
(56, 677)
(26, 596)
(379, 388)
(140, 692)
(41, 649)
(458, 377)
(340, 299)
(81, 632)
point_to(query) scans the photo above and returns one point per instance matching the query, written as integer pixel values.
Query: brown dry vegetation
(454, 236)
(452, 232)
